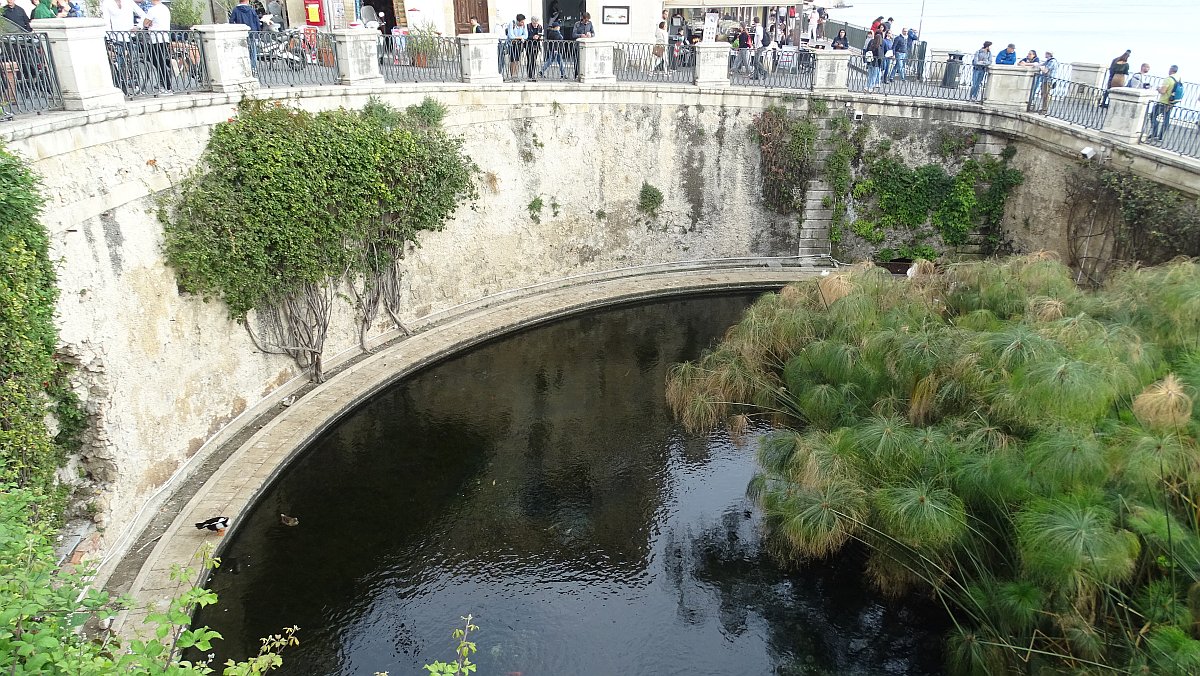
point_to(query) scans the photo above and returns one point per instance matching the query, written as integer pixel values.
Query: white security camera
(1088, 152)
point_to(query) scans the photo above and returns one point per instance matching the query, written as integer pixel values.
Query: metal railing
(1172, 127)
(405, 59)
(952, 80)
(645, 62)
(156, 63)
(293, 57)
(529, 60)
(787, 68)
(1065, 100)
(28, 81)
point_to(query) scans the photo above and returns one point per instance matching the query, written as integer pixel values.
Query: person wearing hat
(980, 63)
(554, 49)
(1008, 57)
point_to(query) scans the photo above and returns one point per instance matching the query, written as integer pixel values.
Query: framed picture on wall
(614, 14)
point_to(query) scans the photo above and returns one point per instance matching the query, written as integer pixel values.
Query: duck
(288, 520)
(216, 524)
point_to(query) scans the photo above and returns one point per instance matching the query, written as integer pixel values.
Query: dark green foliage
(32, 382)
(284, 199)
(1158, 223)
(786, 148)
(988, 432)
(650, 199)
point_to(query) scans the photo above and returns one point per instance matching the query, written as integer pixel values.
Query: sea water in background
(1159, 32)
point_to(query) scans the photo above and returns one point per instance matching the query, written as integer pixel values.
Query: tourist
(660, 47)
(533, 46)
(1045, 79)
(279, 13)
(840, 41)
(1166, 100)
(983, 59)
(1008, 57)
(515, 33)
(888, 56)
(1031, 59)
(44, 10)
(475, 27)
(1118, 72)
(245, 15)
(873, 55)
(900, 49)
(766, 42)
(814, 19)
(158, 20)
(584, 28)
(17, 15)
(822, 17)
(1140, 79)
(743, 50)
(875, 25)
(554, 49)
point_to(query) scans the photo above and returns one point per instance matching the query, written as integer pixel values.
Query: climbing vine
(787, 147)
(33, 383)
(287, 205)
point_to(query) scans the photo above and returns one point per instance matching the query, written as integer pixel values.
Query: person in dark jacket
(17, 15)
(900, 49)
(1118, 72)
(841, 41)
(1008, 57)
(554, 49)
(244, 14)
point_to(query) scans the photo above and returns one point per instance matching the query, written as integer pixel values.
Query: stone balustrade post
(479, 58)
(1089, 74)
(596, 61)
(81, 62)
(1009, 87)
(831, 71)
(357, 51)
(1127, 112)
(712, 64)
(227, 56)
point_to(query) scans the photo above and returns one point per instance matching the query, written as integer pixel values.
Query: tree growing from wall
(286, 206)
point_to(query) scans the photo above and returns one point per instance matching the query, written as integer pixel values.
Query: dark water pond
(539, 483)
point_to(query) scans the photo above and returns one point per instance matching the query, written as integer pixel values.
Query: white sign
(710, 27)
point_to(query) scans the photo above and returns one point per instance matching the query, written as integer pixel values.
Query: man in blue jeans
(244, 14)
(979, 68)
(1166, 99)
(900, 49)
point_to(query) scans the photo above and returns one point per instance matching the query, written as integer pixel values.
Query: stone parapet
(1008, 87)
(596, 61)
(712, 64)
(226, 49)
(81, 61)
(1127, 112)
(831, 70)
(357, 51)
(479, 55)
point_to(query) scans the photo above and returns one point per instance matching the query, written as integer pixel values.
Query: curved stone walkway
(235, 485)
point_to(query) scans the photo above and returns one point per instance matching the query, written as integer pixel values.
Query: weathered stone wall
(164, 375)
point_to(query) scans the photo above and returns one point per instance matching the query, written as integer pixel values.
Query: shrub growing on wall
(285, 205)
(32, 382)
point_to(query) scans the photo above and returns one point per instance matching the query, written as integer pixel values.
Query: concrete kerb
(242, 477)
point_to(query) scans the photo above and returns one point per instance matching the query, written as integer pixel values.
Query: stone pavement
(251, 467)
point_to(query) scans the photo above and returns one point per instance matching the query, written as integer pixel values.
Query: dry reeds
(1163, 405)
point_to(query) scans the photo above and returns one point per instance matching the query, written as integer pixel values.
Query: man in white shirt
(158, 22)
(119, 15)
(1140, 79)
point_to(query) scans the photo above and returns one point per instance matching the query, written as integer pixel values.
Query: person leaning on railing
(1168, 95)
(841, 41)
(979, 68)
(1045, 79)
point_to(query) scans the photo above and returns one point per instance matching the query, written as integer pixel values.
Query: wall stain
(113, 239)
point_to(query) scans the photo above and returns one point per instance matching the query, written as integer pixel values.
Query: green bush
(650, 199)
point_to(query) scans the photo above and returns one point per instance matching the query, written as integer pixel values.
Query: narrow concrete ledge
(234, 486)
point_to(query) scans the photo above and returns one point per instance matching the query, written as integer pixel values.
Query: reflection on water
(539, 483)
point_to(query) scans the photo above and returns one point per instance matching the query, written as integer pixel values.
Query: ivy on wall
(287, 205)
(33, 383)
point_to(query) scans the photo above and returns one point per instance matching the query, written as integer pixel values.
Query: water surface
(539, 483)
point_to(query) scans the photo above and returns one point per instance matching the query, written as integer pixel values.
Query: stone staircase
(816, 218)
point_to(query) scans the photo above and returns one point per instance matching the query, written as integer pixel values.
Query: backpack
(1177, 91)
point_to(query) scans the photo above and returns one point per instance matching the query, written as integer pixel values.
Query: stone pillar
(596, 61)
(831, 70)
(81, 62)
(479, 55)
(1090, 74)
(1127, 112)
(1008, 87)
(227, 56)
(712, 64)
(357, 51)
